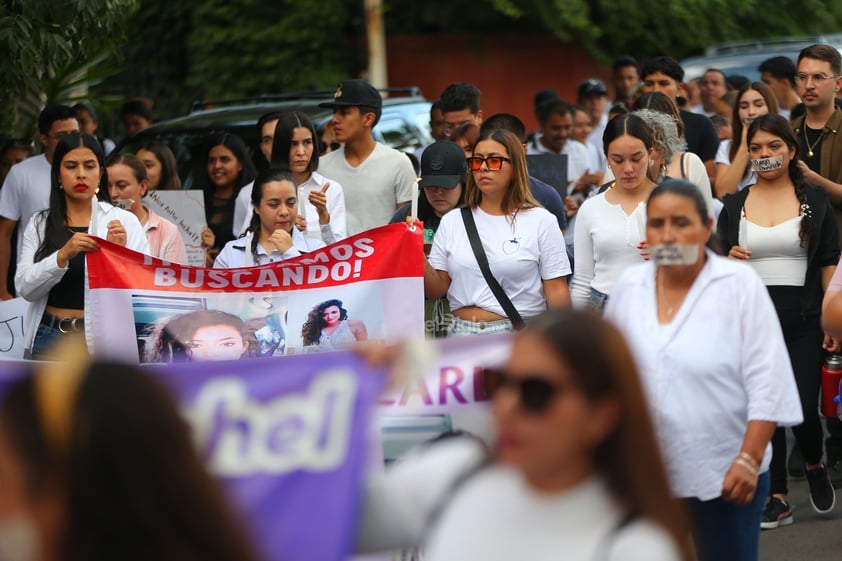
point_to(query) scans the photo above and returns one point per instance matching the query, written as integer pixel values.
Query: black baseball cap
(355, 93)
(592, 86)
(443, 165)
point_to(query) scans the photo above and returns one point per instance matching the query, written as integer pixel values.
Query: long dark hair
(264, 177)
(737, 123)
(125, 465)
(169, 170)
(778, 126)
(628, 124)
(237, 147)
(56, 233)
(282, 143)
(629, 460)
(311, 331)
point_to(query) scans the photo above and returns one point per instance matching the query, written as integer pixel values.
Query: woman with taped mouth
(785, 230)
(575, 472)
(733, 168)
(712, 358)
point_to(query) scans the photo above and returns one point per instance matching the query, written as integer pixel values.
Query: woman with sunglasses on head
(51, 268)
(733, 168)
(520, 240)
(712, 357)
(785, 230)
(575, 468)
(608, 237)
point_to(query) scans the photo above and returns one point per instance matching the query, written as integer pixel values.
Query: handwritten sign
(12, 319)
(185, 209)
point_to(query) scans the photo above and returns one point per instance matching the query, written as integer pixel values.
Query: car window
(398, 134)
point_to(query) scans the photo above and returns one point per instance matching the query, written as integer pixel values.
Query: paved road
(811, 537)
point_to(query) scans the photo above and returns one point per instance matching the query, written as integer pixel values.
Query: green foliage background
(177, 51)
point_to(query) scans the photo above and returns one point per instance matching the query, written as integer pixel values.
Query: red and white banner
(141, 308)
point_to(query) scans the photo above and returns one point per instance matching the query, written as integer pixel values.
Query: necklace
(807, 140)
(669, 308)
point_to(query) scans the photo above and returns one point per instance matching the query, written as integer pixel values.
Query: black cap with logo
(443, 165)
(355, 93)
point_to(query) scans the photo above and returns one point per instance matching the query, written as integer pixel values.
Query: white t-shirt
(374, 189)
(723, 156)
(494, 515)
(719, 364)
(519, 266)
(335, 207)
(26, 191)
(605, 244)
(577, 157)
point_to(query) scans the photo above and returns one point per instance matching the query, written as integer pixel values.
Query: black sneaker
(834, 471)
(822, 495)
(795, 464)
(777, 513)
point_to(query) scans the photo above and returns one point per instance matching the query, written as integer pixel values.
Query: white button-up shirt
(719, 364)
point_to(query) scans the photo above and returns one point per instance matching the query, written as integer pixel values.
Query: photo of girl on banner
(333, 323)
(246, 327)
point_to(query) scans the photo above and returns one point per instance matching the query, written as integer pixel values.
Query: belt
(64, 325)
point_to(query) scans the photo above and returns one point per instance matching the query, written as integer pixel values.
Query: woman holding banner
(576, 468)
(127, 185)
(505, 228)
(51, 269)
(272, 235)
(97, 463)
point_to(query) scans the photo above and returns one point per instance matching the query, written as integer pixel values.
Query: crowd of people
(706, 231)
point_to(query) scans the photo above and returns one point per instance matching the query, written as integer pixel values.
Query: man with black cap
(377, 179)
(593, 96)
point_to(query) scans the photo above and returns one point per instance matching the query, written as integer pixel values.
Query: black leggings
(803, 337)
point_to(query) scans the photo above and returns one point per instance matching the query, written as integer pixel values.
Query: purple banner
(287, 437)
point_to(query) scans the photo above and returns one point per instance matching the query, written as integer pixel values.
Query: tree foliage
(44, 43)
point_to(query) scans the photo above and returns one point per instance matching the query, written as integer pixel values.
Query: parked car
(404, 125)
(743, 57)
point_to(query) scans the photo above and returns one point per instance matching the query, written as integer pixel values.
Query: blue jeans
(723, 530)
(461, 327)
(597, 300)
(47, 334)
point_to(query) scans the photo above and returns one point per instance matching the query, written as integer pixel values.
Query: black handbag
(482, 261)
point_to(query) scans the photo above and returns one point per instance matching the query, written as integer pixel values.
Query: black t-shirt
(70, 290)
(701, 135)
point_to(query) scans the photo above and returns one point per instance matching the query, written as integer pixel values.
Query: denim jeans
(597, 300)
(46, 336)
(723, 530)
(461, 327)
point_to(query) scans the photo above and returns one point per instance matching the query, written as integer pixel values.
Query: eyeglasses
(494, 163)
(818, 79)
(535, 392)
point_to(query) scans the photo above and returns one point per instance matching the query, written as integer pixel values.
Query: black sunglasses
(534, 391)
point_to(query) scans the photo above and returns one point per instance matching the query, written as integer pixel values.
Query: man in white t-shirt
(26, 189)
(554, 138)
(376, 179)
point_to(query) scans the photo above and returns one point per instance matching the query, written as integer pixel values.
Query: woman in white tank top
(786, 231)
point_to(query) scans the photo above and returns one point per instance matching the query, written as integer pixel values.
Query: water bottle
(831, 378)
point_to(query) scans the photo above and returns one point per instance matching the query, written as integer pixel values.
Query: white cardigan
(33, 281)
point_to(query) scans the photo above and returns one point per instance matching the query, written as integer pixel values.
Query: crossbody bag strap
(482, 261)
(683, 170)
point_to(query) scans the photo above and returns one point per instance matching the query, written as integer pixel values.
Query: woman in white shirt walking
(575, 472)
(522, 241)
(609, 226)
(712, 357)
